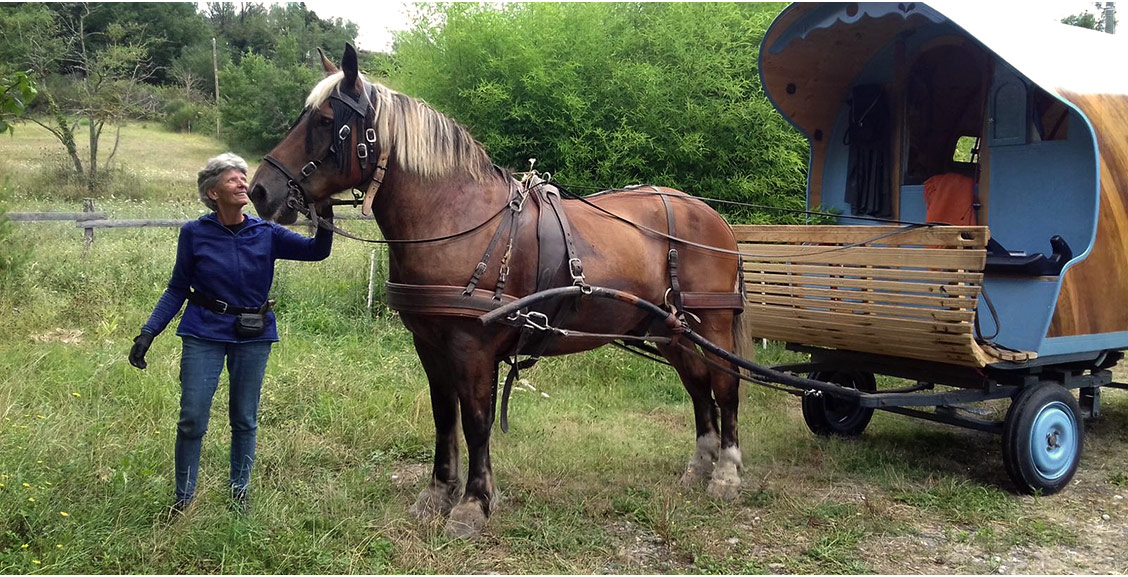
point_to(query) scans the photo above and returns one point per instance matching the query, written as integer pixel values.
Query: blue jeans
(200, 366)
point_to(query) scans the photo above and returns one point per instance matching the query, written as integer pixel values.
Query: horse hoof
(726, 490)
(432, 502)
(693, 477)
(466, 521)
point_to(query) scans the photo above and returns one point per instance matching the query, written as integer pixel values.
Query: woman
(224, 268)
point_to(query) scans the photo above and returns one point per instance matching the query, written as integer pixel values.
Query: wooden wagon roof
(814, 52)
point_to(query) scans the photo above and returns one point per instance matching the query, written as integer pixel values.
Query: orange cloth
(948, 198)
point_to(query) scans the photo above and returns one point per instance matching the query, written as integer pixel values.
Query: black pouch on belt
(250, 325)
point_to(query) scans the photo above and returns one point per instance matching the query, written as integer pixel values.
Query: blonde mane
(422, 141)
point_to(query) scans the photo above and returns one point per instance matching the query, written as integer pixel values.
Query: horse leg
(439, 496)
(719, 327)
(695, 377)
(476, 386)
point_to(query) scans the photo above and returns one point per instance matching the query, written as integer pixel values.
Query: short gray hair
(208, 178)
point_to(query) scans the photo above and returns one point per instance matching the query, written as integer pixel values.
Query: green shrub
(182, 115)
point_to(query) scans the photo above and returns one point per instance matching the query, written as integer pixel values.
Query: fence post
(88, 233)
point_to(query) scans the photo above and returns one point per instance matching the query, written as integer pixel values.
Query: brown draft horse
(438, 183)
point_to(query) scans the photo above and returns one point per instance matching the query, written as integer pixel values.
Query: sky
(377, 20)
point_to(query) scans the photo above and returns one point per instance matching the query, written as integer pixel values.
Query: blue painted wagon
(1010, 133)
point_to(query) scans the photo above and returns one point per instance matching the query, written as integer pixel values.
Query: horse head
(331, 148)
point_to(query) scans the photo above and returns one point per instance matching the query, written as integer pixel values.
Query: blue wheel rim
(1053, 440)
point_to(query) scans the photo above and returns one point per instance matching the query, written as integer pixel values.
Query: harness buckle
(370, 135)
(576, 268)
(361, 150)
(536, 320)
(344, 132)
(309, 168)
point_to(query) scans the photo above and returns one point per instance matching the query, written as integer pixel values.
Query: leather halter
(297, 197)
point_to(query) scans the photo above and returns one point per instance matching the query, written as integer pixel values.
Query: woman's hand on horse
(325, 210)
(140, 346)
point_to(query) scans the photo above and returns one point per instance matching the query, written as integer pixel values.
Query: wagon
(978, 166)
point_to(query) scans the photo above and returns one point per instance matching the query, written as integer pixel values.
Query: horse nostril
(258, 192)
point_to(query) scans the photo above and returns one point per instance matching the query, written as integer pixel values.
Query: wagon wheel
(828, 415)
(1042, 438)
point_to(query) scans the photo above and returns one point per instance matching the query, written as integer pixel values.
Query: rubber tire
(1037, 412)
(827, 415)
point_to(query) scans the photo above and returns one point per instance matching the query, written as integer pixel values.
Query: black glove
(140, 346)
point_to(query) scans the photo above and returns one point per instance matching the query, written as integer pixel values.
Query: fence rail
(90, 219)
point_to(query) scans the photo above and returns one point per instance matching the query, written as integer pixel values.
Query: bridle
(360, 116)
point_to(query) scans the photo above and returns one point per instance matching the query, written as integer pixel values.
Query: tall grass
(588, 474)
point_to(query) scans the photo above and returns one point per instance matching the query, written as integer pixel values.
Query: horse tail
(741, 335)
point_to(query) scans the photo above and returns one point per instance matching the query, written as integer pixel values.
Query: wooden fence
(90, 219)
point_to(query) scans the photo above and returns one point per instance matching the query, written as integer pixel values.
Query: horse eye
(323, 121)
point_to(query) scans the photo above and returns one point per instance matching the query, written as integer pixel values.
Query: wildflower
(39, 462)
(64, 514)
(31, 499)
(24, 546)
(76, 394)
(36, 561)
(1, 485)
(59, 546)
(26, 486)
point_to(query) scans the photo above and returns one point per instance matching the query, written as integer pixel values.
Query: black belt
(221, 307)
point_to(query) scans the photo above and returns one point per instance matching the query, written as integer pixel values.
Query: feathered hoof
(466, 521)
(722, 489)
(693, 477)
(433, 501)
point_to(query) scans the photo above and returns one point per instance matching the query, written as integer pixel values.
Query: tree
(612, 93)
(104, 74)
(1104, 21)
(16, 93)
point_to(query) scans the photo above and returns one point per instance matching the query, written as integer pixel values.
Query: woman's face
(231, 191)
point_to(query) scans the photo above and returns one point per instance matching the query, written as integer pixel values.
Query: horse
(446, 211)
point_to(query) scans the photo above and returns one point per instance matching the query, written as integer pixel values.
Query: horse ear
(349, 64)
(326, 64)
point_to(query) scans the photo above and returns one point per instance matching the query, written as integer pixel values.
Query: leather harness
(558, 261)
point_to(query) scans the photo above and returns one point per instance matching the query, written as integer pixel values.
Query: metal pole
(371, 277)
(1110, 17)
(215, 72)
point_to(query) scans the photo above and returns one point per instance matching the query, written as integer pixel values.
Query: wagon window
(966, 150)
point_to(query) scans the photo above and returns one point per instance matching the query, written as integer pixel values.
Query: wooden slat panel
(937, 258)
(820, 329)
(855, 307)
(819, 296)
(892, 324)
(863, 283)
(962, 354)
(936, 276)
(948, 236)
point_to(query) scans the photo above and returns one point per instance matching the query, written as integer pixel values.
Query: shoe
(240, 501)
(178, 508)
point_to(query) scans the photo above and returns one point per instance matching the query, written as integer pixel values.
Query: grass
(588, 474)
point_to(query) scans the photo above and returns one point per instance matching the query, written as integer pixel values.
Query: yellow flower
(31, 499)
(76, 394)
(59, 546)
(26, 486)
(39, 462)
(1, 485)
(36, 561)
(24, 546)
(64, 514)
